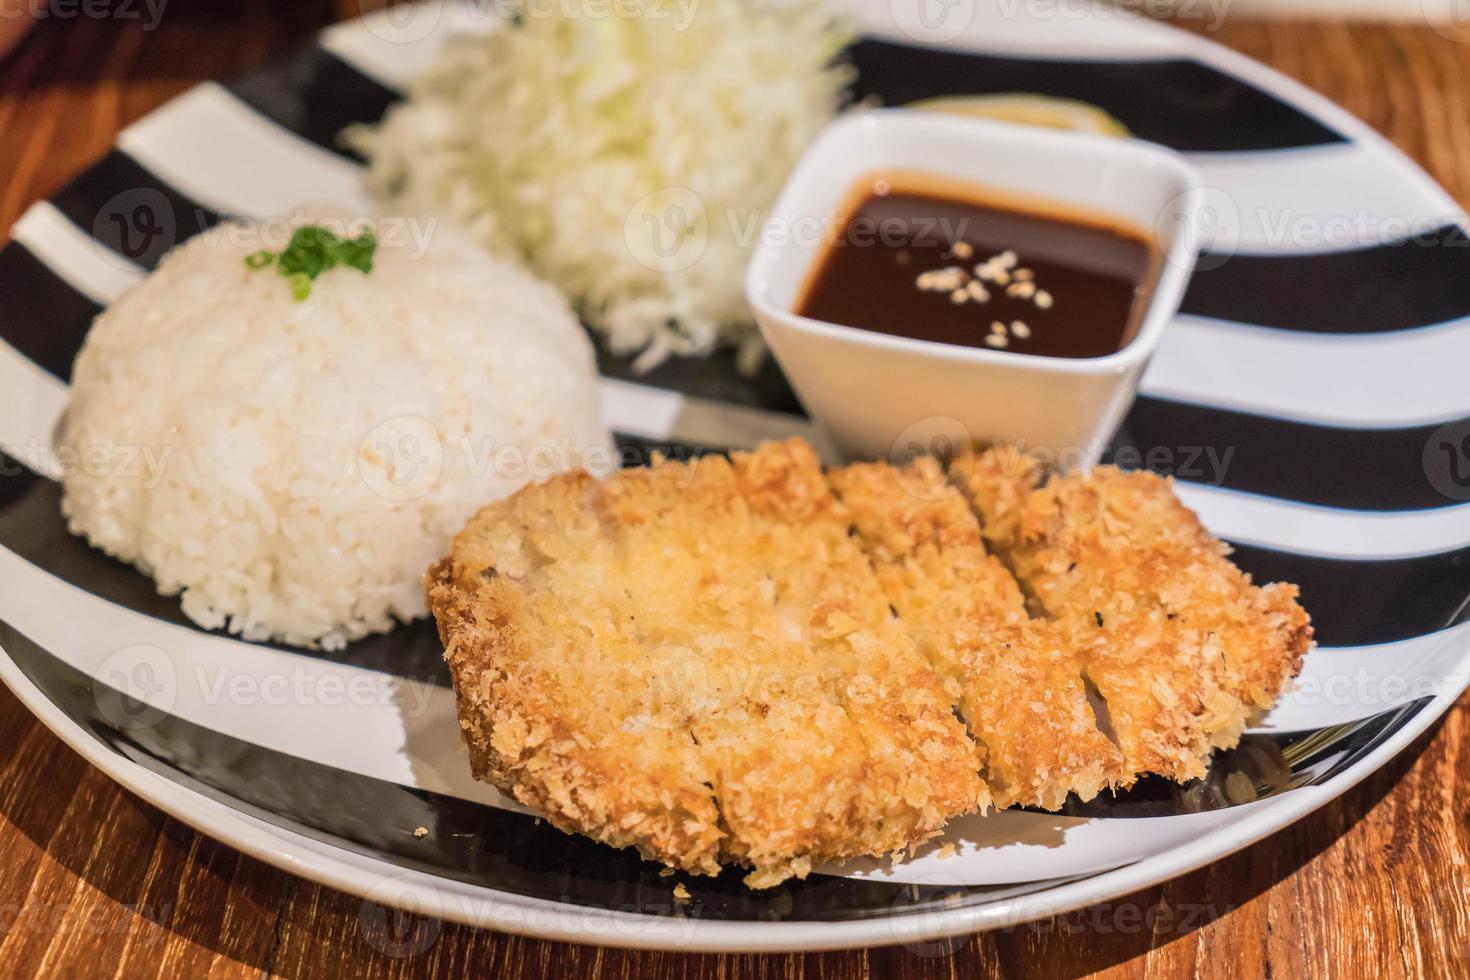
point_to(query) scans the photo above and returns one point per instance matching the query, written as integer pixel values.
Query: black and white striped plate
(1308, 398)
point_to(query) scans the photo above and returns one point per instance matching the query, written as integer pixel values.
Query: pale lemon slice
(1030, 110)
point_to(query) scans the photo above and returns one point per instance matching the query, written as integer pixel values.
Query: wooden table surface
(95, 882)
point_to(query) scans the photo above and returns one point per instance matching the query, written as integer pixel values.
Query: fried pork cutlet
(726, 661)
(695, 660)
(1018, 683)
(921, 764)
(1179, 643)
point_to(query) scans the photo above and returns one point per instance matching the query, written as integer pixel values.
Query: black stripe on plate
(1179, 103)
(122, 205)
(1399, 285)
(31, 525)
(1271, 762)
(1356, 469)
(315, 95)
(41, 315)
(1359, 603)
(470, 842)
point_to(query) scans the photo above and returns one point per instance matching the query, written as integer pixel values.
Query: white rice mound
(291, 468)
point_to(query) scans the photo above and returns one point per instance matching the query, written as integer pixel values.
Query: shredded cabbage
(627, 159)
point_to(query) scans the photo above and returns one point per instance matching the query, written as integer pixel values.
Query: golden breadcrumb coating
(921, 763)
(635, 659)
(727, 662)
(1179, 643)
(1019, 685)
(559, 703)
(787, 764)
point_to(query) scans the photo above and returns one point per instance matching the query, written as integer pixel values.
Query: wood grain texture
(94, 882)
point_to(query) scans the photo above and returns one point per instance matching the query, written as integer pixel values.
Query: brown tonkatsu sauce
(940, 261)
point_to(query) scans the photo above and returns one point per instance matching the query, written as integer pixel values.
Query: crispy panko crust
(1179, 643)
(1018, 683)
(750, 661)
(558, 701)
(921, 763)
(650, 662)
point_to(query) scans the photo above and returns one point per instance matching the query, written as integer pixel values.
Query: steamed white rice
(291, 468)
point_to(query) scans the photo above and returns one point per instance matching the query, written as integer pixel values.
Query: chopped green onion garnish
(300, 284)
(312, 251)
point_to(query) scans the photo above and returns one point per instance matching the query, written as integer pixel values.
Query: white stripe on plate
(657, 413)
(398, 43)
(1369, 381)
(1326, 532)
(1316, 199)
(360, 721)
(32, 401)
(1343, 684)
(215, 149)
(92, 269)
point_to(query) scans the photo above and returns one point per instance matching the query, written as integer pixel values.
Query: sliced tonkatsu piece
(637, 660)
(559, 704)
(787, 764)
(922, 766)
(1179, 643)
(1018, 683)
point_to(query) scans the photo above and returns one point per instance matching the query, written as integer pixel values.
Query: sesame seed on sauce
(994, 288)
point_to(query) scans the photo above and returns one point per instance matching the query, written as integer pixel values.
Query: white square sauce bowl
(877, 395)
